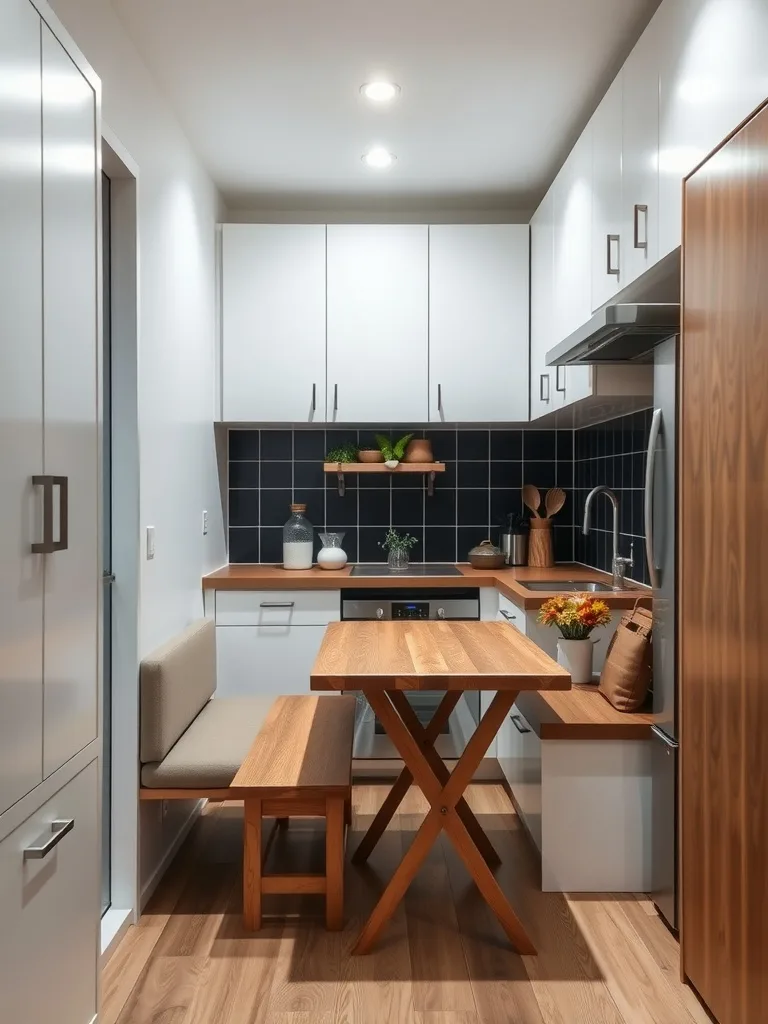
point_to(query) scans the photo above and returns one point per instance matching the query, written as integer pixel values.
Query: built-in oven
(419, 603)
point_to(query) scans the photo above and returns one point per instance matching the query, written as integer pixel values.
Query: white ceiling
(493, 92)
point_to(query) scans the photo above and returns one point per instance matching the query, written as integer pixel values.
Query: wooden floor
(603, 959)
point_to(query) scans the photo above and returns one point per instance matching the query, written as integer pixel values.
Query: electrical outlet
(150, 543)
(205, 523)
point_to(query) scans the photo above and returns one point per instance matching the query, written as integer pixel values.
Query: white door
(573, 278)
(21, 406)
(640, 153)
(542, 313)
(273, 322)
(478, 322)
(377, 323)
(607, 245)
(71, 416)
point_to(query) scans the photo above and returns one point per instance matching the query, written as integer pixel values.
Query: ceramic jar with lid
(486, 556)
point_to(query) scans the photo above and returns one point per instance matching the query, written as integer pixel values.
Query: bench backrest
(177, 681)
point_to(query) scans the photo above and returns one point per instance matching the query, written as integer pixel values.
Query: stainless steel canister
(514, 547)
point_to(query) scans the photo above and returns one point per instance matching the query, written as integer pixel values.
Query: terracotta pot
(486, 556)
(369, 455)
(419, 450)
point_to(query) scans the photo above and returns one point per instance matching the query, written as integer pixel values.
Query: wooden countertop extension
(509, 582)
(412, 655)
(582, 714)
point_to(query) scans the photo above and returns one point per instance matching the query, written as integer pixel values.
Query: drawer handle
(277, 604)
(518, 724)
(507, 616)
(48, 840)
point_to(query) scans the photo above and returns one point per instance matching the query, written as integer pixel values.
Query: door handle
(660, 734)
(518, 724)
(650, 479)
(49, 546)
(277, 604)
(314, 398)
(543, 377)
(557, 379)
(507, 616)
(440, 399)
(43, 845)
(640, 208)
(335, 399)
(610, 269)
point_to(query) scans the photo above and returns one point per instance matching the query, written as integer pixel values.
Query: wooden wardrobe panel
(723, 612)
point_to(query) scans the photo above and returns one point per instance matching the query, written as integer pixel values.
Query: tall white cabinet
(49, 544)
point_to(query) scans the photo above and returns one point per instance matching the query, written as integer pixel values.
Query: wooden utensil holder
(541, 552)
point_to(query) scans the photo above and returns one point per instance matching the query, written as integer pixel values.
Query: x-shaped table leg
(444, 795)
(425, 737)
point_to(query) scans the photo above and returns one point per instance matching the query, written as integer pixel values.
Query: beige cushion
(209, 753)
(177, 680)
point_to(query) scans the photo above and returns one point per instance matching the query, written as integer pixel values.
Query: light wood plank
(166, 990)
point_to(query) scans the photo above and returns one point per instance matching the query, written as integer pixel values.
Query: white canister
(576, 657)
(297, 540)
(331, 555)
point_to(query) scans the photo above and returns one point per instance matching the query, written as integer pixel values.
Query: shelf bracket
(431, 484)
(342, 484)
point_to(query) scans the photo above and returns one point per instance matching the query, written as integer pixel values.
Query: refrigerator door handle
(664, 737)
(650, 477)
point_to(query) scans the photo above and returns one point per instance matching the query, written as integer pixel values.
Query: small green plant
(392, 452)
(395, 541)
(342, 453)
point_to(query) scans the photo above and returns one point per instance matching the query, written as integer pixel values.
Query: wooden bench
(300, 764)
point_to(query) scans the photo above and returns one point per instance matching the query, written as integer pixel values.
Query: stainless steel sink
(585, 586)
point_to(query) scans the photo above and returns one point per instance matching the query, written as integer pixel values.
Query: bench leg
(348, 812)
(334, 863)
(252, 869)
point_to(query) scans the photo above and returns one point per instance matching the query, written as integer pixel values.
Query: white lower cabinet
(519, 757)
(265, 659)
(49, 937)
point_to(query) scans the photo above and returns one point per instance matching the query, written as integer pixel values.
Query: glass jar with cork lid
(298, 534)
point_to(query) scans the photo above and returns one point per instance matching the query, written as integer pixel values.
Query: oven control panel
(410, 609)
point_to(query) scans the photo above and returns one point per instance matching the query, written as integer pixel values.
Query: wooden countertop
(582, 714)
(411, 655)
(509, 582)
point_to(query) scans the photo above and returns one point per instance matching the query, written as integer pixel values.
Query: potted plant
(393, 453)
(397, 545)
(343, 453)
(575, 615)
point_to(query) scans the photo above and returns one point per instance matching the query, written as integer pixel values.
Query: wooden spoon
(554, 501)
(532, 498)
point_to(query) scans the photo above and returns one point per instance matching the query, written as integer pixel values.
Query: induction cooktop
(411, 571)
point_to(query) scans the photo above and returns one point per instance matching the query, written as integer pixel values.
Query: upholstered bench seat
(209, 752)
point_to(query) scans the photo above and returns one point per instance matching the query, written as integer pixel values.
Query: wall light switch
(150, 543)
(205, 523)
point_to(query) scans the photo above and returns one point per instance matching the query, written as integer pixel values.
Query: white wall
(178, 210)
(376, 215)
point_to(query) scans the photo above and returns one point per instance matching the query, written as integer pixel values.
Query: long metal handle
(507, 616)
(664, 738)
(335, 398)
(609, 267)
(557, 379)
(62, 482)
(650, 479)
(45, 547)
(440, 398)
(277, 604)
(518, 724)
(314, 398)
(543, 377)
(43, 845)
(641, 208)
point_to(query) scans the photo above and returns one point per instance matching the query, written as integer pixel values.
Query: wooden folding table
(386, 659)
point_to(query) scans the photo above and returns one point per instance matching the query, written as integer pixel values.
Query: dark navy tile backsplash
(485, 469)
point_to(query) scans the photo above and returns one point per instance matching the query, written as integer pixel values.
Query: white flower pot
(392, 463)
(576, 657)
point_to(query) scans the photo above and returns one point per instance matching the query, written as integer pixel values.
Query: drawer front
(509, 612)
(50, 911)
(265, 659)
(277, 607)
(521, 764)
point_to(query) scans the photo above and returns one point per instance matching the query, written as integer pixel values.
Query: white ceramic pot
(331, 555)
(392, 463)
(576, 657)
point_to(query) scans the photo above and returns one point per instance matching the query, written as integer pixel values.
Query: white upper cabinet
(273, 322)
(378, 328)
(478, 322)
(607, 248)
(640, 153)
(712, 75)
(542, 306)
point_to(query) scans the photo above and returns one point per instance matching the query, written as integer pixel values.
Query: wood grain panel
(432, 656)
(581, 713)
(723, 568)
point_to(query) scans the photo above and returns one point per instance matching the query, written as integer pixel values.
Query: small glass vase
(331, 554)
(398, 560)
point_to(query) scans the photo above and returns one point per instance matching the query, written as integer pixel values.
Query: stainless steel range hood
(627, 329)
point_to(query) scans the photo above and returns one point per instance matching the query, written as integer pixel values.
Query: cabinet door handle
(440, 398)
(543, 377)
(518, 724)
(641, 208)
(43, 845)
(314, 398)
(335, 399)
(610, 269)
(507, 616)
(277, 604)
(557, 379)
(48, 545)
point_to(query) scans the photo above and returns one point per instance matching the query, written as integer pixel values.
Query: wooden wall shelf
(428, 469)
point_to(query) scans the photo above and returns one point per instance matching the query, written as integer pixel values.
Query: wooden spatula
(554, 501)
(532, 498)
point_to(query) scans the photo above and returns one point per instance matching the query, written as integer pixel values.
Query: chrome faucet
(620, 565)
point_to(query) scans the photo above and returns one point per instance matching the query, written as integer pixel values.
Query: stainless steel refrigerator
(660, 533)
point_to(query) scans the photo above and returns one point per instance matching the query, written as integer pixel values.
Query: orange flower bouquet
(575, 615)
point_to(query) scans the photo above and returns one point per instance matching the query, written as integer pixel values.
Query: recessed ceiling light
(380, 92)
(379, 158)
